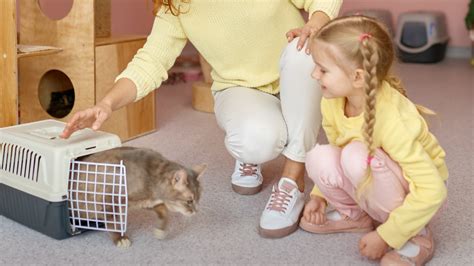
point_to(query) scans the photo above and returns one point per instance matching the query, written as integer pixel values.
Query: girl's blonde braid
(370, 59)
(397, 84)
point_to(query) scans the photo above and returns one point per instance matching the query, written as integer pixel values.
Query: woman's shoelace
(247, 169)
(279, 201)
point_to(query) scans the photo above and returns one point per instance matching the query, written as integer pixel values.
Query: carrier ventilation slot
(19, 161)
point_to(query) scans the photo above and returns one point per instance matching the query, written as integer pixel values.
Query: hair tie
(369, 159)
(364, 36)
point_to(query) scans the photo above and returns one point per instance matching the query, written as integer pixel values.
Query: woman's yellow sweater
(241, 39)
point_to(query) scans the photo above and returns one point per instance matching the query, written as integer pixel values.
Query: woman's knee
(294, 58)
(252, 144)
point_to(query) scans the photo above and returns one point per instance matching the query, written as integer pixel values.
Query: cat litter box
(42, 185)
(421, 36)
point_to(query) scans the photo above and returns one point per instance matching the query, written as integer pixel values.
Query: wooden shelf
(35, 50)
(99, 41)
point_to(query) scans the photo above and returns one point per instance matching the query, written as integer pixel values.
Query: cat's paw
(159, 233)
(123, 243)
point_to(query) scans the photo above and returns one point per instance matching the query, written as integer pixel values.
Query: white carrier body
(35, 160)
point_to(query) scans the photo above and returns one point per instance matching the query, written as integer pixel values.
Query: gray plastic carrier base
(49, 218)
(433, 54)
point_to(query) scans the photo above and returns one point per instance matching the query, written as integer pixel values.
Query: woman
(264, 113)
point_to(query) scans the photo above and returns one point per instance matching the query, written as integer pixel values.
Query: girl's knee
(354, 161)
(320, 159)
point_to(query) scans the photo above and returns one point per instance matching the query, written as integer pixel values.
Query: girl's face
(334, 81)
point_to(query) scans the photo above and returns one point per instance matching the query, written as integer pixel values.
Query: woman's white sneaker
(247, 178)
(282, 212)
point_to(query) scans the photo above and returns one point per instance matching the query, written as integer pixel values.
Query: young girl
(382, 166)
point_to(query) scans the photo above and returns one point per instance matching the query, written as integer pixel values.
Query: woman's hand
(318, 19)
(122, 93)
(92, 117)
(372, 246)
(315, 210)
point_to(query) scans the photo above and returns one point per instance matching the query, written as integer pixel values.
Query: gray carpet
(225, 229)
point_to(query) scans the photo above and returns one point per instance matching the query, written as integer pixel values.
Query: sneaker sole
(314, 228)
(277, 233)
(246, 190)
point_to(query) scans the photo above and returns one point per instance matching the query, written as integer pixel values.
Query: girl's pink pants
(338, 172)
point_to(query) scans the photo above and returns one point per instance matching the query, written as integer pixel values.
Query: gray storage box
(38, 173)
(421, 36)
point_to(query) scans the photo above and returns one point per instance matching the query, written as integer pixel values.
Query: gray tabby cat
(153, 183)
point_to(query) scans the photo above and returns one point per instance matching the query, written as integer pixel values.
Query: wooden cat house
(59, 84)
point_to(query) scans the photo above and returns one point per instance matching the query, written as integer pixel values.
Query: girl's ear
(358, 80)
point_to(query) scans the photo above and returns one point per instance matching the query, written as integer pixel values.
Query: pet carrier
(43, 187)
(422, 37)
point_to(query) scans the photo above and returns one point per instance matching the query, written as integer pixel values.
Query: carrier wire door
(97, 196)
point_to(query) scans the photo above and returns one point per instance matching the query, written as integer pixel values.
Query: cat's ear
(180, 177)
(199, 169)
